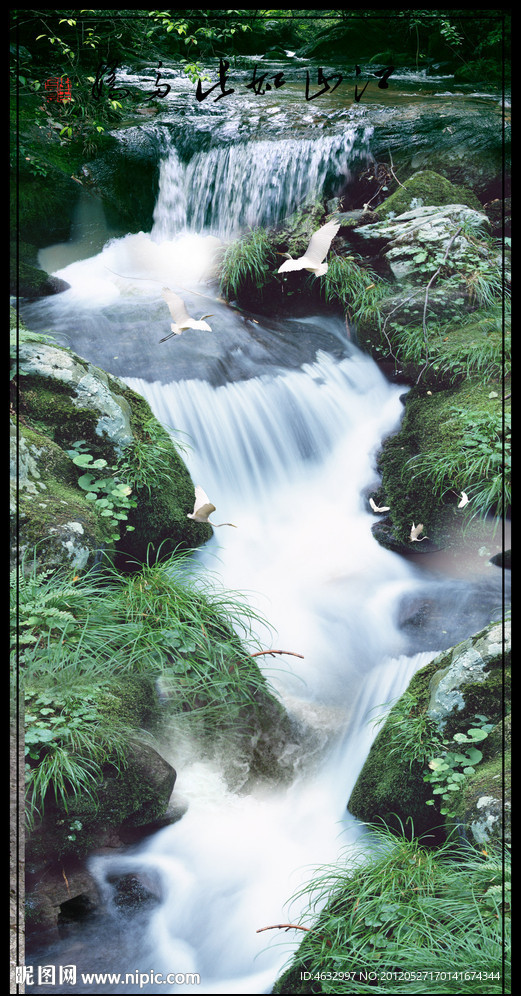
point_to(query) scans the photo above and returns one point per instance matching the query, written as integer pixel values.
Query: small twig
(289, 652)
(292, 926)
(400, 304)
(65, 880)
(282, 926)
(424, 318)
(392, 171)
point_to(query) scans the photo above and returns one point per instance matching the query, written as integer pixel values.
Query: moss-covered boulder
(419, 241)
(443, 699)
(137, 500)
(425, 188)
(429, 463)
(26, 277)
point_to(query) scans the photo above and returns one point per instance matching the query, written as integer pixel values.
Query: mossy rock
(62, 399)
(485, 806)
(399, 310)
(392, 790)
(472, 679)
(54, 520)
(428, 428)
(452, 689)
(130, 796)
(26, 279)
(294, 235)
(425, 188)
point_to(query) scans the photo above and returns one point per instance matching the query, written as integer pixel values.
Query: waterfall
(289, 456)
(236, 186)
(285, 458)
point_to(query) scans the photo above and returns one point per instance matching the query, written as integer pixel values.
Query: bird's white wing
(176, 308)
(318, 247)
(415, 532)
(379, 508)
(293, 264)
(202, 504)
(464, 500)
(201, 324)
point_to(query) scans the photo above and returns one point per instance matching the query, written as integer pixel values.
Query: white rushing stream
(288, 456)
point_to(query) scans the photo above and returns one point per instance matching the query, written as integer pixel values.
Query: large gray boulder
(419, 240)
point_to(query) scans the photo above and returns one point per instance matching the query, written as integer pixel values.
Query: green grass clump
(478, 462)
(357, 288)
(478, 345)
(246, 264)
(78, 640)
(405, 918)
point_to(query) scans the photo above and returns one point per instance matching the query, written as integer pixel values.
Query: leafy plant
(478, 462)
(67, 744)
(412, 732)
(38, 606)
(74, 636)
(110, 495)
(477, 345)
(354, 286)
(448, 772)
(145, 464)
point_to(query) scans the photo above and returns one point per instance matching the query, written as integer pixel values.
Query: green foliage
(414, 734)
(478, 271)
(67, 744)
(354, 286)
(110, 495)
(79, 635)
(146, 463)
(477, 345)
(448, 772)
(478, 462)
(400, 915)
(37, 607)
(247, 263)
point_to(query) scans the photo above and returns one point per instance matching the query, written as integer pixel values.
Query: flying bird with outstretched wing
(182, 320)
(203, 508)
(316, 252)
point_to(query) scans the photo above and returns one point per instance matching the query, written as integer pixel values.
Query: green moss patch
(429, 462)
(425, 188)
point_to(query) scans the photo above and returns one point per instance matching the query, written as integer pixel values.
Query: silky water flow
(287, 453)
(285, 458)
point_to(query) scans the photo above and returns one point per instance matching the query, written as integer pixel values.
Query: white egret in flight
(182, 319)
(203, 508)
(316, 252)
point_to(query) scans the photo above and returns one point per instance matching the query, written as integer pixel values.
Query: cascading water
(285, 457)
(285, 451)
(232, 187)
